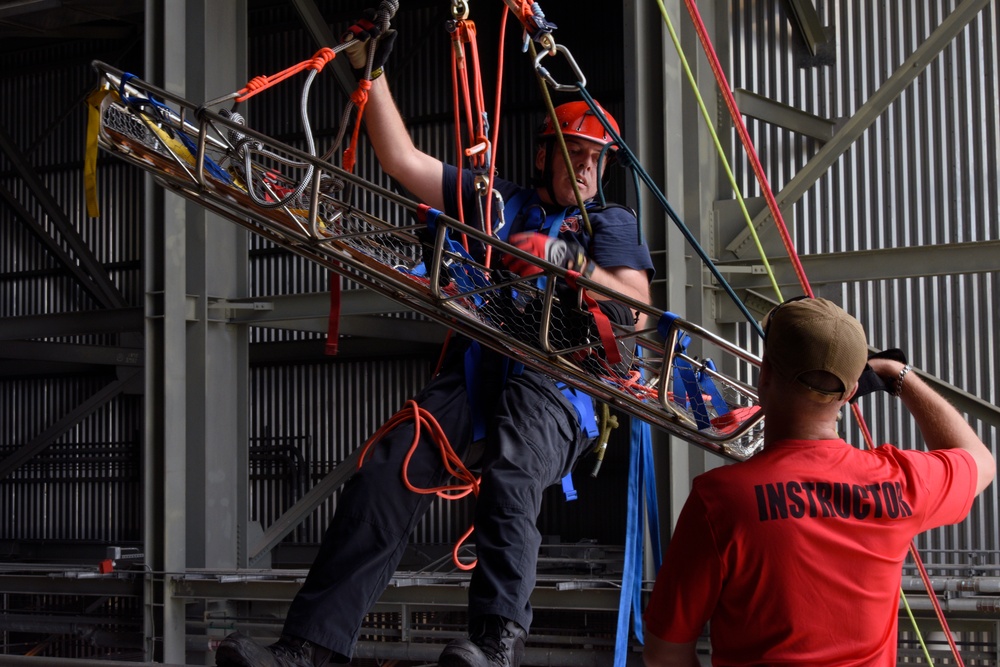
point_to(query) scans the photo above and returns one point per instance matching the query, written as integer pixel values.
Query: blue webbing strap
(465, 276)
(695, 403)
(687, 391)
(567, 485)
(641, 432)
(641, 476)
(215, 170)
(666, 321)
(633, 561)
(510, 211)
(708, 387)
(584, 407)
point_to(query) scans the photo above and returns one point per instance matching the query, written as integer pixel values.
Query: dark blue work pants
(533, 438)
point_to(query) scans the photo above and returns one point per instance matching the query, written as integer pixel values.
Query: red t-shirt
(795, 556)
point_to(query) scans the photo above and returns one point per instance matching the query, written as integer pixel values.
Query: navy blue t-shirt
(615, 240)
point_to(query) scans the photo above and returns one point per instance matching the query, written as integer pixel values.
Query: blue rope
(629, 159)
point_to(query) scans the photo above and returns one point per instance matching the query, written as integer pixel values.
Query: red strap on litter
(604, 330)
(333, 324)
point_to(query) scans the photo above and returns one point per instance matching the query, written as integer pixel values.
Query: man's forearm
(399, 157)
(940, 424)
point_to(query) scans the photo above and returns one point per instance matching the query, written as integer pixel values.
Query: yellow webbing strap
(90, 156)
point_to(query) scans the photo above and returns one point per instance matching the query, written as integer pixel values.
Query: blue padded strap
(584, 406)
(708, 387)
(567, 486)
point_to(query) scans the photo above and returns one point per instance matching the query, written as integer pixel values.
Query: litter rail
(323, 213)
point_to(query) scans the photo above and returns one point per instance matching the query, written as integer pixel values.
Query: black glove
(358, 37)
(870, 381)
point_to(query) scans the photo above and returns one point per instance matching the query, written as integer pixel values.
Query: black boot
(238, 650)
(493, 642)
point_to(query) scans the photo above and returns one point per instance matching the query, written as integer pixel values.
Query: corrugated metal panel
(85, 486)
(925, 173)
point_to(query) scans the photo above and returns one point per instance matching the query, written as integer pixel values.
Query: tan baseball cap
(803, 335)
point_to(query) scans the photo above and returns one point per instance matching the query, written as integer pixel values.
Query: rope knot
(257, 83)
(321, 58)
(360, 94)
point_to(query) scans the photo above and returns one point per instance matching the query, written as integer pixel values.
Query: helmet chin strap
(544, 182)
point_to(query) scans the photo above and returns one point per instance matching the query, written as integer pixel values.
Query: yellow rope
(920, 637)
(719, 148)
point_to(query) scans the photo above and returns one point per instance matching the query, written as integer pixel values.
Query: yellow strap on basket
(94, 101)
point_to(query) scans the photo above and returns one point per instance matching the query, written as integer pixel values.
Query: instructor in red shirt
(795, 555)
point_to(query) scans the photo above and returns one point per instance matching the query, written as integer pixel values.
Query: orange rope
(488, 210)
(260, 83)
(360, 99)
(457, 66)
(469, 483)
(465, 66)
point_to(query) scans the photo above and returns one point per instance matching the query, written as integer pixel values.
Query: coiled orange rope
(468, 482)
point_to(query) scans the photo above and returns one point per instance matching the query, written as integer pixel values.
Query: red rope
(360, 99)
(465, 67)
(741, 129)
(457, 64)
(488, 210)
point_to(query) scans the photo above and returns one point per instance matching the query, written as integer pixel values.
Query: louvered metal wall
(923, 174)
(86, 487)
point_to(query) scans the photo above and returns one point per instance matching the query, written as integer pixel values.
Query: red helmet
(577, 119)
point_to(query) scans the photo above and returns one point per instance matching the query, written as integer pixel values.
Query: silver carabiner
(459, 10)
(544, 73)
